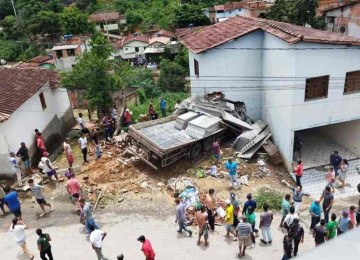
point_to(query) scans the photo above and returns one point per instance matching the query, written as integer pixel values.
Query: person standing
(231, 166)
(23, 153)
(215, 149)
(289, 219)
(83, 146)
(287, 246)
(18, 229)
(297, 196)
(298, 170)
(201, 217)
(114, 114)
(36, 190)
(146, 248)
(330, 177)
(74, 189)
(96, 239)
(357, 216)
(315, 211)
(81, 123)
(127, 118)
(11, 200)
(68, 152)
(163, 107)
(107, 128)
(181, 217)
(251, 219)
(43, 245)
(210, 206)
(151, 112)
(245, 235)
(344, 167)
(296, 231)
(335, 160)
(344, 223)
(328, 200)
(48, 168)
(331, 227)
(352, 216)
(249, 203)
(2, 203)
(40, 143)
(229, 219)
(266, 219)
(15, 168)
(235, 204)
(95, 140)
(285, 208)
(87, 215)
(319, 233)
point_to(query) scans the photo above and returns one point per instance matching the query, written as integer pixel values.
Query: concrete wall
(347, 134)
(54, 120)
(224, 70)
(128, 51)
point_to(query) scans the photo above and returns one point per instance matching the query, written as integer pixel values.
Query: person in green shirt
(331, 227)
(251, 219)
(44, 245)
(285, 208)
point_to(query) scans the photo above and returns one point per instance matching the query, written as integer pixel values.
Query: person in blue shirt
(315, 211)
(163, 107)
(249, 203)
(232, 168)
(12, 202)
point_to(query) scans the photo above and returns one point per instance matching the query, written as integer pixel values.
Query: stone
(160, 184)
(121, 199)
(124, 190)
(144, 184)
(85, 178)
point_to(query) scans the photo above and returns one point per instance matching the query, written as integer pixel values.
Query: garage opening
(315, 145)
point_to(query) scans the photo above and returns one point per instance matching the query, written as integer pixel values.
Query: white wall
(29, 116)
(65, 63)
(223, 70)
(128, 51)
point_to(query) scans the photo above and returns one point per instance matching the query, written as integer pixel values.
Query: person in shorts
(23, 153)
(36, 190)
(229, 219)
(12, 202)
(48, 167)
(74, 189)
(201, 218)
(245, 233)
(18, 229)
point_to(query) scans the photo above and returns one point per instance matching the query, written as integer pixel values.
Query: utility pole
(13, 5)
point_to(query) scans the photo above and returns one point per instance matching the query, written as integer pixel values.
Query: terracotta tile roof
(35, 62)
(220, 33)
(106, 16)
(183, 32)
(219, 7)
(40, 59)
(138, 37)
(163, 40)
(337, 5)
(163, 33)
(18, 85)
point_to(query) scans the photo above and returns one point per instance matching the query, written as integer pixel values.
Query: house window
(136, 49)
(316, 88)
(331, 19)
(42, 100)
(352, 82)
(70, 52)
(59, 54)
(196, 68)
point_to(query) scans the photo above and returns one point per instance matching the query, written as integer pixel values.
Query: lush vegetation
(270, 196)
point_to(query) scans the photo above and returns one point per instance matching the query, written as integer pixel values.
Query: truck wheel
(206, 144)
(195, 150)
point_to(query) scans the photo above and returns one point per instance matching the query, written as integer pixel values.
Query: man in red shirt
(298, 169)
(74, 189)
(147, 248)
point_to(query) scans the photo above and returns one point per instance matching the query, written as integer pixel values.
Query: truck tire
(206, 144)
(195, 150)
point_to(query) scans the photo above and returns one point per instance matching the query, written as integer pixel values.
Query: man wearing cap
(146, 248)
(229, 218)
(48, 168)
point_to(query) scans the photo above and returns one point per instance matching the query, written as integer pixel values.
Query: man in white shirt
(83, 146)
(15, 168)
(290, 217)
(48, 168)
(96, 238)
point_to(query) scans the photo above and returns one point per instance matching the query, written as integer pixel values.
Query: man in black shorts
(39, 196)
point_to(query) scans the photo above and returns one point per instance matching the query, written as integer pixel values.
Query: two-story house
(66, 52)
(108, 21)
(343, 18)
(292, 77)
(131, 46)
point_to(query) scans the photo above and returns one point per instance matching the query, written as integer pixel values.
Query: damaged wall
(30, 115)
(224, 70)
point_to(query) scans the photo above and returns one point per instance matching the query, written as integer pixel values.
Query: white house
(132, 46)
(30, 99)
(292, 77)
(343, 18)
(107, 21)
(65, 54)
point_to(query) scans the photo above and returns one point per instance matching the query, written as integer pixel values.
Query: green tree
(279, 11)
(172, 76)
(190, 14)
(45, 22)
(73, 21)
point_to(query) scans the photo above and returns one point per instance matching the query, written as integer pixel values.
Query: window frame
(137, 49)
(196, 68)
(310, 89)
(42, 101)
(72, 54)
(57, 52)
(357, 87)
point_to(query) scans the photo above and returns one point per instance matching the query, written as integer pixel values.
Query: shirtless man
(201, 217)
(210, 206)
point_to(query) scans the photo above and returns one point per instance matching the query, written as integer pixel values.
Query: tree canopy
(73, 21)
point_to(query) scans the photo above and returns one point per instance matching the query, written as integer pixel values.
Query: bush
(270, 196)
(141, 95)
